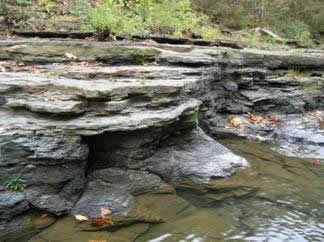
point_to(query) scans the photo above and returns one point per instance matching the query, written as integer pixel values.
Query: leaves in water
(102, 221)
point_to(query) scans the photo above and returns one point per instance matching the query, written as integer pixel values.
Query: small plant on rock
(17, 183)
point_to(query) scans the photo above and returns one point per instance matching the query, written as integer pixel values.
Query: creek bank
(106, 123)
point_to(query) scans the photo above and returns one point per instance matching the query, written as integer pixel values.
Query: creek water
(278, 198)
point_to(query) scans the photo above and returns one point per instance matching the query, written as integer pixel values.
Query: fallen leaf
(254, 119)
(71, 56)
(90, 63)
(105, 212)
(260, 138)
(236, 123)
(102, 221)
(45, 215)
(149, 41)
(80, 218)
(272, 119)
(318, 114)
(315, 162)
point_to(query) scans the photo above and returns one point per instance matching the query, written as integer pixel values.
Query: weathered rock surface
(113, 189)
(262, 91)
(12, 204)
(78, 115)
(194, 156)
(300, 136)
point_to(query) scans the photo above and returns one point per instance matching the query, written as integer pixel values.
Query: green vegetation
(301, 21)
(172, 17)
(17, 183)
(293, 19)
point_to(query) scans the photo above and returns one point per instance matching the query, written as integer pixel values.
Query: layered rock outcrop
(91, 125)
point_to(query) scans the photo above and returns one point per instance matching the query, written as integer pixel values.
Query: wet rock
(133, 181)
(113, 189)
(99, 194)
(15, 224)
(12, 204)
(300, 136)
(22, 228)
(230, 86)
(52, 203)
(194, 156)
(295, 135)
(53, 168)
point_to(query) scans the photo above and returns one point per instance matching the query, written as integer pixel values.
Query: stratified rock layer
(78, 115)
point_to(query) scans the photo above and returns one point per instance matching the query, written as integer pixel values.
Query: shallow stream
(277, 199)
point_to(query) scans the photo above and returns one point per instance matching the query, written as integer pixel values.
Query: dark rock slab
(300, 136)
(134, 181)
(99, 194)
(195, 156)
(113, 189)
(52, 203)
(15, 224)
(12, 204)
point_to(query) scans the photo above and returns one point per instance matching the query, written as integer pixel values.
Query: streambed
(278, 198)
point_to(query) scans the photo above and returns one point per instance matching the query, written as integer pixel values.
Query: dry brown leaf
(102, 221)
(80, 218)
(318, 114)
(236, 123)
(254, 119)
(272, 119)
(105, 212)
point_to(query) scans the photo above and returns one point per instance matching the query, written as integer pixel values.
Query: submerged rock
(113, 189)
(99, 195)
(194, 156)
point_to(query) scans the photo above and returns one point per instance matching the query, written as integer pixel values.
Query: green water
(276, 199)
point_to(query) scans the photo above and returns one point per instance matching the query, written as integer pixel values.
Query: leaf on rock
(254, 119)
(71, 56)
(80, 218)
(272, 119)
(236, 123)
(105, 212)
(315, 162)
